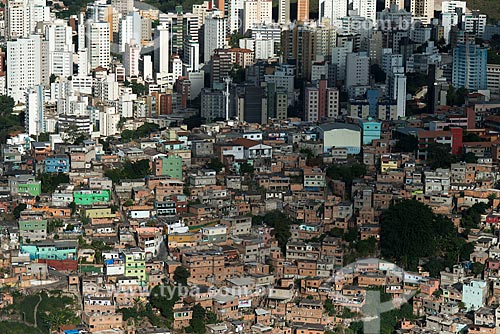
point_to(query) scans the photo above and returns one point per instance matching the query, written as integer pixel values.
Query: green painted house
(169, 165)
(135, 265)
(32, 230)
(89, 197)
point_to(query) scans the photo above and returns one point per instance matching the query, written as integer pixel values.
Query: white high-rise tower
(215, 34)
(333, 10)
(98, 44)
(24, 65)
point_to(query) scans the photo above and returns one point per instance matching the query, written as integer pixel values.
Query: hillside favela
(249, 167)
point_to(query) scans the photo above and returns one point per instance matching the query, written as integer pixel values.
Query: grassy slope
(488, 7)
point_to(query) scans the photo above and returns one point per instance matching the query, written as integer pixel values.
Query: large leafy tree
(197, 322)
(410, 231)
(181, 275)
(281, 224)
(439, 155)
(407, 231)
(50, 181)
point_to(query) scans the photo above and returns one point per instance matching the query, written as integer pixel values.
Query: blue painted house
(371, 130)
(52, 250)
(57, 164)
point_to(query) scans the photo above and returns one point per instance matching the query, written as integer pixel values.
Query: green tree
(281, 227)
(407, 144)
(477, 268)
(246, 168)
(404, 239)
(194, 121)
(346, 173)
(234, 40)
(472, 216)
(456, 97)
(197, 322)
(471, 137)
(211, 317)
(18, 209)
(469, 157)
(439, 155)
(50, 181)
(216, 165)
(181, 275)
(129, 170)
(9, 122)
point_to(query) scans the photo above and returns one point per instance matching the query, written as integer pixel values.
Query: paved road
(35, 310)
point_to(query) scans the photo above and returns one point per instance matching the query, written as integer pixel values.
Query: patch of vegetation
(424, 235)
(50, 181)
(488, 7)
(10, 327)
(141, 132)
(129, 170)
(10, 123)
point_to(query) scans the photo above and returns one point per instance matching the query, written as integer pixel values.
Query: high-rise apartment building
(334, 10)
(130, 28)
(60, 47)
(366, 9)
(124, 7)
(131, 59)
(357, 69)
(161, 49)
(470, 66)
(303, 10)
(400, 4)
(396, 80)
(214, 34)
(21, 17)
(283, 11)
(321, 102)
(24, 66)
(422, 10)
(256, 11)
(34, 120)
(98, 44)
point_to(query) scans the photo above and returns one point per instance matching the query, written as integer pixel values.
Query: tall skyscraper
(191, 55)
(357, 69)
(214, 34)
(131, 59)
(303, 10)
(235, 13)
(321, 102)
(283, 11)
(34, 121)
(470, 66)
(60, 43)
(21, 17)
(396, 80)
(161, 50)
(298, 45)
(333, 10)
(366, 8)
(24, 66)
(98, 45)
(124, 7)
(130, 28)
(181, 26)
(257, 11)
(81, 32)
(422, 10)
